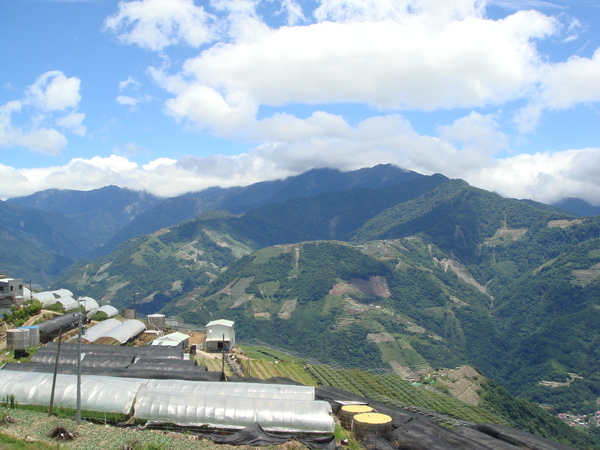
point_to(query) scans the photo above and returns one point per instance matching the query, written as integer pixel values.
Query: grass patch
(262, 256)
(10, 443)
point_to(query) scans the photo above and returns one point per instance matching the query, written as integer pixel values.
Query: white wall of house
(220, 333)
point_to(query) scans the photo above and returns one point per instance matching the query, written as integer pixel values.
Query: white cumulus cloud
(50, 102)
(156, 24)
(53, 91)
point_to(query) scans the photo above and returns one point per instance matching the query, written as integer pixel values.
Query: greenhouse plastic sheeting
(236, 390)
(94, 333)
(255, 435)
(103, 394)
(197, 373)
(158, 406)
(129, 352)
(88, 303)
(164, 363)
(50, 328)
(62, 293)
(69, 357)
(89, 358)
(109, 310)
(126, 331)
(162, 405)
(69, 303)
(45, 298)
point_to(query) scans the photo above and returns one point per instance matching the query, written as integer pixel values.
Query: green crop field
(387, 388)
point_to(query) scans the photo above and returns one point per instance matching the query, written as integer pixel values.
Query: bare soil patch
(462, 382)
(586, 276)
(564, 223)
(380, 337)
(287, 308)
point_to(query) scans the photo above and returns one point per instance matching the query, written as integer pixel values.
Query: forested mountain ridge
(96, 221)
(101, 212)
(194, 250)
(34, 242)
(238, 200)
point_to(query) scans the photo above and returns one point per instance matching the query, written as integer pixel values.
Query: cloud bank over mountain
(462, 88)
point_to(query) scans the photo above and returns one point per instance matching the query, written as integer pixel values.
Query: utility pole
(223, 358)
(135, 305)
(79, 331)
(55, 372)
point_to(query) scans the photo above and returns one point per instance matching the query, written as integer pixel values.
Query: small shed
(220, 335)
(176, 339)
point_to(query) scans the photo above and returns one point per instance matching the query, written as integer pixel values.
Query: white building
(11, 292)
(220, 335)
(176, 339)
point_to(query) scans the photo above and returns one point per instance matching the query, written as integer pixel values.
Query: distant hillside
(578, 206)
(102, 211)
(239, 200)
(197, 247)
(37, 245)
(87, 224)
(550, 319)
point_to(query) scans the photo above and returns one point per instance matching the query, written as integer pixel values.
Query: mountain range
(376, 268)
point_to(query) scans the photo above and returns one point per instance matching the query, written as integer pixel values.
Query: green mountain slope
(37, 245)
(103, 211)
(162, 266)
(458, 218)
(551, 321)
(158, 267)
(239, 200)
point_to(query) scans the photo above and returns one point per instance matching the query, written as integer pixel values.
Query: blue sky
(173, 96)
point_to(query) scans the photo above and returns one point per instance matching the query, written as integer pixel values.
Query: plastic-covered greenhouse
(48, 298)
(109, 310)
(220, 411)
(126, 330)
(128, 352)
(103, 394)
(89, 358)
(88, 303)
(51, 328)
(192, 373)
(68, 303)
(45, 298)
(184, 403)
(94, 333)
(236, 390)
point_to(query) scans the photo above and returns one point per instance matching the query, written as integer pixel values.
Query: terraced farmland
(393, 390)
(387, 388)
